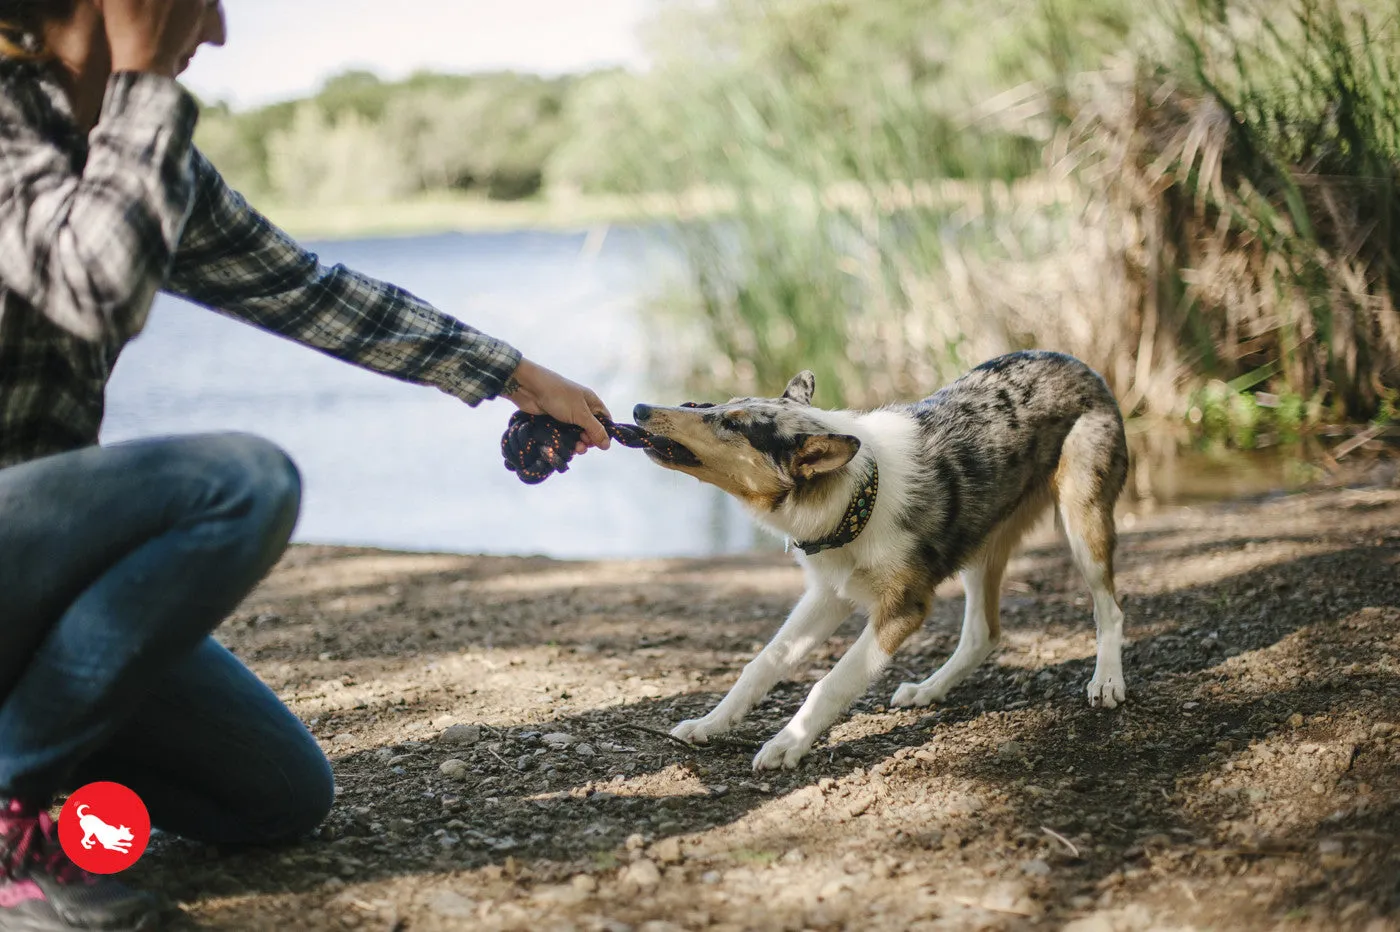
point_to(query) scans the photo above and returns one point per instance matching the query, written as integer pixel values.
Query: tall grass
(1213, 214)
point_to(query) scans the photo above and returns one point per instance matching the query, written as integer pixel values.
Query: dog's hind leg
(1093, 467)
(815, 618)
(981, 628)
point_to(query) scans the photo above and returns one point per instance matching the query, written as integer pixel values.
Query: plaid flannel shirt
(91, 228)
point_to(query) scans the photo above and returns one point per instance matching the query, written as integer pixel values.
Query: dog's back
(994, 444)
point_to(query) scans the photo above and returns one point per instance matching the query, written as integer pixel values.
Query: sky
(279, 49)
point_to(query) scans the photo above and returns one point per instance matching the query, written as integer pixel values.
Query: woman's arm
(89, 248)
(233, 260)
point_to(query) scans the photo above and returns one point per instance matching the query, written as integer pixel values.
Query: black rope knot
(536, 446)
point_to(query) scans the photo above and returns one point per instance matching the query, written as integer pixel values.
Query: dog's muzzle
(663, 449)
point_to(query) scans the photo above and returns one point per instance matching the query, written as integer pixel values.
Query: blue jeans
(115, 565)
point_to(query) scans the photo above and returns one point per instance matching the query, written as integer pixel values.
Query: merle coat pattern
(963, 474)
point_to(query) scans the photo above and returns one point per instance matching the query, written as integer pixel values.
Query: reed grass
(1221, 236)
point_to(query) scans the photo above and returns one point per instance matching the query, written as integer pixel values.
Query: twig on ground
(658, 733)
(1061, 839)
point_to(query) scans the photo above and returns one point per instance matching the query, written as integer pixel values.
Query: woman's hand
(157, 36)
(537, 390)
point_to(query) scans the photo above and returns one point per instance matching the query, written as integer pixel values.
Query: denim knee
(261, 473)
(299, 805)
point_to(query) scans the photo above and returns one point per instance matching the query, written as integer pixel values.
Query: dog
(116, 838)
(884, 505)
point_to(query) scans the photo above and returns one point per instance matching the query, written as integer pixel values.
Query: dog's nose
(641, 412)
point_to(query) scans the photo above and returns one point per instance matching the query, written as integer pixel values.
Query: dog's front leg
(850, 678)
(817, 614)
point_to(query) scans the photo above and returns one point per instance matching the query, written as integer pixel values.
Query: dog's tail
(81, 810)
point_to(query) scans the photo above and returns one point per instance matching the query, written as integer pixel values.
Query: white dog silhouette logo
(116, 838)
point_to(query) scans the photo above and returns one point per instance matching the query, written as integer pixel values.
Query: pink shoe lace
(30, 840)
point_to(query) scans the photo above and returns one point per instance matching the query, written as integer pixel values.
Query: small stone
(1381, 729)
(451, 803)
(711, 877)
(584, 883)
(667, 851)
(659, 925)
(585, 750)
(559, 739)
(1011, 750)
(452, 905)
(1295, 720)
(345, 738)
(1035, 868)
(453, 769)
(461, 734)
(644, 874)
(634, 842)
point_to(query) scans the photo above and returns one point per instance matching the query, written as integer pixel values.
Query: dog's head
(760, 450)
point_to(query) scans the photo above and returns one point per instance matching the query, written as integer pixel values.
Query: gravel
(1251, 781)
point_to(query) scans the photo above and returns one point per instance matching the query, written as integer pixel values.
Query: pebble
(584, 883)
(461, 734)
(559, 739)
(452, 905)
(585, 750)
(1381, 729)
(453, 769)
(345, 738)
(1011, 750)
(667, 851)
(643, 873)
(1035, 868)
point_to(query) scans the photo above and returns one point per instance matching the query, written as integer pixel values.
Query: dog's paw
(1107, 690)
(782, 752)
(909, 695)
(701, 730)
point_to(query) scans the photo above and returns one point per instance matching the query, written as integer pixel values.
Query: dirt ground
(1251, 782)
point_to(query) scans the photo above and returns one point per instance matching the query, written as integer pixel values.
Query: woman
(117, 562)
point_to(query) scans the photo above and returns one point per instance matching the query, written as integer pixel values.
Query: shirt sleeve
(233, 260)
(89, 246)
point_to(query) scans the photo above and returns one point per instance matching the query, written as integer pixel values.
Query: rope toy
(536, 446)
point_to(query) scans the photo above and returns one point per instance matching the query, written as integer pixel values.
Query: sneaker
(42, 891)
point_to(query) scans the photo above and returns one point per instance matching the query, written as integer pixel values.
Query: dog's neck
(817, 513)
(856, 516)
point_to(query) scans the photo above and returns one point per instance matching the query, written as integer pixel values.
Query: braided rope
(536, 446)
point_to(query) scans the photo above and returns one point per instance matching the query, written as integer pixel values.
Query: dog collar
(855, 519)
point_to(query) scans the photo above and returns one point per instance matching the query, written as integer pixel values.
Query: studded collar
(855, 519)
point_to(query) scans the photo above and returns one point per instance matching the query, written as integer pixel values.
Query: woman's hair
(20, 26)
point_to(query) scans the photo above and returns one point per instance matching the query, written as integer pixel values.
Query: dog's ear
(801, 388)
(819, 454)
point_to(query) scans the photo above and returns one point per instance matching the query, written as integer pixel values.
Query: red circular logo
(104, 828)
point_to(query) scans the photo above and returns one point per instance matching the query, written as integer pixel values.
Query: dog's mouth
(668, 452)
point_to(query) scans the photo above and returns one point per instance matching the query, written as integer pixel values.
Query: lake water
(395, 465)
